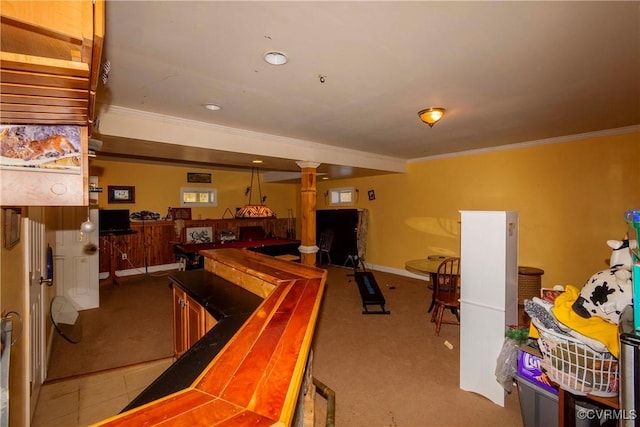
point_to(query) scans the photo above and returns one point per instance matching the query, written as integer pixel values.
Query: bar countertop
(248, 369)
(229, 304)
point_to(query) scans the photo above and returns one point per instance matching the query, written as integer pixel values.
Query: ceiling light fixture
(431, 115)
(251, 210)
(212, 107)
(274, 57)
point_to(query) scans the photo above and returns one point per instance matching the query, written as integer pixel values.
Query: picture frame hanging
(11, 222)
(202, 178)
(121, 194)
(180, 213)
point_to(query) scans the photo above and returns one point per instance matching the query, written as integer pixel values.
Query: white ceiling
(507, 73)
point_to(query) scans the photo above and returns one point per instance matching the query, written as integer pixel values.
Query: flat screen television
(114, 221)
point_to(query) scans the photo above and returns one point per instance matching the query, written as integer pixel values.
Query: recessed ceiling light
(274, 57)
(256, 161)
(212, 107)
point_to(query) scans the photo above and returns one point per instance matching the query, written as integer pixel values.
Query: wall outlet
(124, 256)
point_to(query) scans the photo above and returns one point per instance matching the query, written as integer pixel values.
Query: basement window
(342, 196)
(198, 197)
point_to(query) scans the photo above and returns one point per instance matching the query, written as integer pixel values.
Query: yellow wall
(571, 198)
(157, 187)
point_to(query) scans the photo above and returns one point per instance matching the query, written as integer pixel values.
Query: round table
(425, 266)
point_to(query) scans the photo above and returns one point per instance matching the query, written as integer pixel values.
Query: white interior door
(76, 258)
(35, 260)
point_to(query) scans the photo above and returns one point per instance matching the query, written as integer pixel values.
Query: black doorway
(344, 224)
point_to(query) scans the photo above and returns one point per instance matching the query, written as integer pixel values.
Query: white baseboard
(175, 266)
(398, 271)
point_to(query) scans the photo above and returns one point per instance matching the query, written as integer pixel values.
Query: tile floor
(81, 401)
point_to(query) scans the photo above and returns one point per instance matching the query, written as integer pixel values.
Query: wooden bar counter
(255, 378)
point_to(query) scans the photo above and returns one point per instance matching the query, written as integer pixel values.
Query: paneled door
(35, 259)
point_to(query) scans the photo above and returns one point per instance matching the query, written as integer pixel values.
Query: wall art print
(11, 222)
(40, 147)
(199, 235)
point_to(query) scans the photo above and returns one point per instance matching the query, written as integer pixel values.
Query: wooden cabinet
(190, 321)
(50, 56)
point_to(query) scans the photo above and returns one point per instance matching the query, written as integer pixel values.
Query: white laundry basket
(576, 367)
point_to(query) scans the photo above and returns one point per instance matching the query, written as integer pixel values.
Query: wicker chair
(446, 292)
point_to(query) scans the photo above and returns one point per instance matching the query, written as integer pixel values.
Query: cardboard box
(529, 369)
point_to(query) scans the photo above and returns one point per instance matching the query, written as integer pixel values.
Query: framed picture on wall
(122, 194)
(199, 177)
(11, 223)
(180, 213)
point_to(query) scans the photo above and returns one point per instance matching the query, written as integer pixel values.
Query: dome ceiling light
(431, 115)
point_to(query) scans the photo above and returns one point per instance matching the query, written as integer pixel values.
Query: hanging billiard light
(255, 210)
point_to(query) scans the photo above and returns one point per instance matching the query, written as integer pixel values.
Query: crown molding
(555, 140)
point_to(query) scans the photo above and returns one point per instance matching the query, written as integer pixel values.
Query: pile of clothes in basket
(578, 330)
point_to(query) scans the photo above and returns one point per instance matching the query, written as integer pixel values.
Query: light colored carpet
(133, 324)
(386, 370)
(391, 370)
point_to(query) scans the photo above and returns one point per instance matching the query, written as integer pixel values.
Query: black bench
(370, 292)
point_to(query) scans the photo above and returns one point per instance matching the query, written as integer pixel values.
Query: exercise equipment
(370, 292)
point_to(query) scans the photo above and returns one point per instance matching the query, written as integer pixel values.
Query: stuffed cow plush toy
(608, 292)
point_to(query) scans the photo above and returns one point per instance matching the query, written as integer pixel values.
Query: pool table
(190, 252)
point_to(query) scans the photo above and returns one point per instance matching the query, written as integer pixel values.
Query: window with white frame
(342, 196)
(198, 196)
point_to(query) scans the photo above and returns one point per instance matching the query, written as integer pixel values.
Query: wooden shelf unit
(50, 54)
